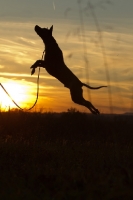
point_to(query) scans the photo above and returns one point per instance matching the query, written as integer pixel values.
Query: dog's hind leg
(77, 97)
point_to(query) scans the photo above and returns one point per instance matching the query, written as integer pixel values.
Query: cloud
(1, 66)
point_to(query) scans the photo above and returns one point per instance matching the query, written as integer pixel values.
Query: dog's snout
(36, 27)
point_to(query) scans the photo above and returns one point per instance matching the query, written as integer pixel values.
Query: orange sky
(20, 47)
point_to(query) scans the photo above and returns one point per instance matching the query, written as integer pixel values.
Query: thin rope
(37, 94)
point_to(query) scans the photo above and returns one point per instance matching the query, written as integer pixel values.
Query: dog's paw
(32, 71)
(32, 66)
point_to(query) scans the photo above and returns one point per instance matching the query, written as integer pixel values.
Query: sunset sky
(100, 31)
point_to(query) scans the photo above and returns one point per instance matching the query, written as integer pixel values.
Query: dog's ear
(51, 29)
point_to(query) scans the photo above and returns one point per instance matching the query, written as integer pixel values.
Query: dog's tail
(93, 88)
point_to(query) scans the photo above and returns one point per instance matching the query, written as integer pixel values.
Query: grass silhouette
(65, 156)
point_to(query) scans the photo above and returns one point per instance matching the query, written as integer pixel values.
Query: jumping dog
(54, 64)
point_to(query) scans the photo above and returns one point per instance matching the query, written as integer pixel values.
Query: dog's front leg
(38, 63)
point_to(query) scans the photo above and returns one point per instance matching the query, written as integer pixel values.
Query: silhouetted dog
(54, 64)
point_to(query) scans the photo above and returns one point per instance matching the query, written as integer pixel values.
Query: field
(64, 156)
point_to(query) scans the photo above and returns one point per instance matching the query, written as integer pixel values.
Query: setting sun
(18, 93)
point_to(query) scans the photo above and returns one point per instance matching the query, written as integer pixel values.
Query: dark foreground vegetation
(66, 156)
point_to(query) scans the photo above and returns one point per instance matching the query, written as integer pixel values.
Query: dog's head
(44, 33)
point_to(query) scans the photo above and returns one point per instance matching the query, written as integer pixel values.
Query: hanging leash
(36, 93)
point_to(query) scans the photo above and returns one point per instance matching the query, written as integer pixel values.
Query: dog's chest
(53, 59)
